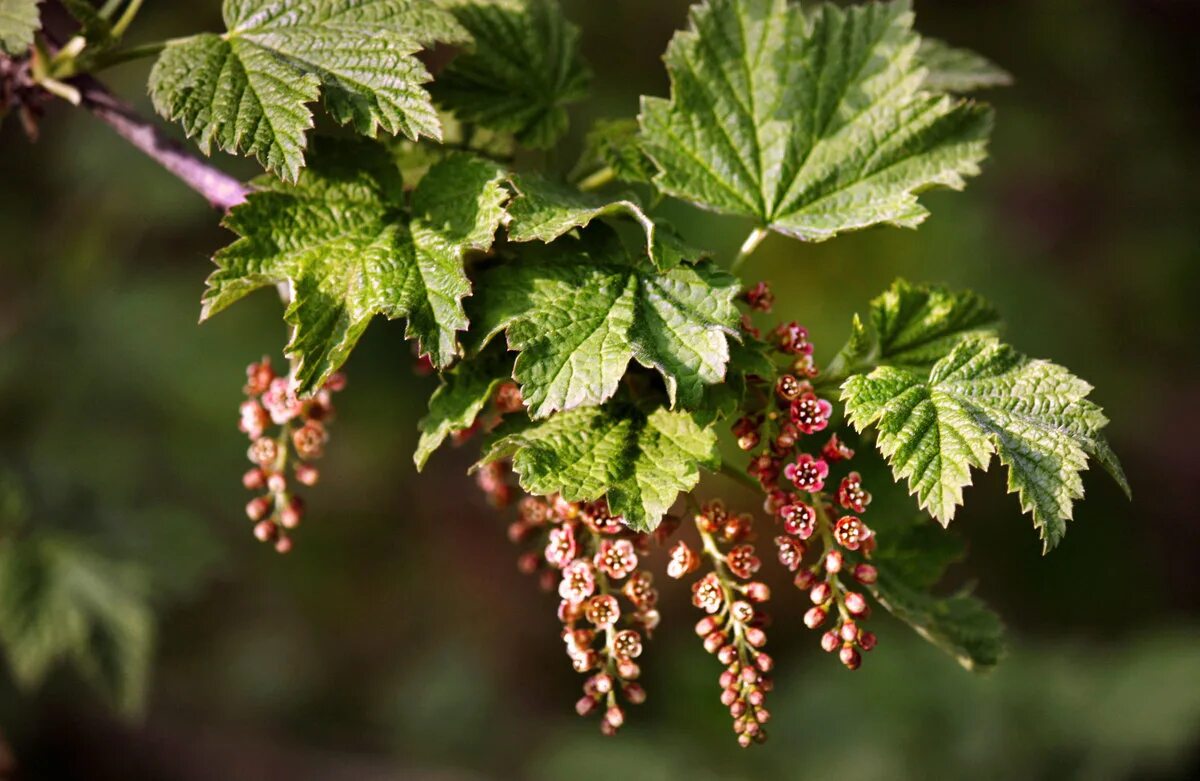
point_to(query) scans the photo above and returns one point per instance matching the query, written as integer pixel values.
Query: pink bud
(254, 479)
(856, 603)
(850, 657)
(865, 574)
(814, 617)
(829, 641)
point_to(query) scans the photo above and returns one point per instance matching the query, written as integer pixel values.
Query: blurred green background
(398, 639)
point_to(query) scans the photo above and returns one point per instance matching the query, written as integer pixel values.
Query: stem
(122, 24)
(740, 477)
(128, 54)
(748, 246)
(598, 179)
(220, 189)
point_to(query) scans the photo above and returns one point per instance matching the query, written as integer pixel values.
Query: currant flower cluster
(282, 428)
(607, 604)
(824, 541)
(735, 627)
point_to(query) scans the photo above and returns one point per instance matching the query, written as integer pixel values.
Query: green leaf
(985, 398)
(465, 389)
(958, 70)
(813, 123)
(352, 245)
(616, 144)
(545, 210)
(959, 624)
(60, 602)
(246, 91)
(639, 459)
(749, 360)
(18, 22)
(579, 309)
(912, 556)
(521, 74)
(913, 327)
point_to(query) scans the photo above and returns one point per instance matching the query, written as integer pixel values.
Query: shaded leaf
(18, 22)
(521, 73)
(464, 391)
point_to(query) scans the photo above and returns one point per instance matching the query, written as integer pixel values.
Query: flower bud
(258, 507)
(850, 657)
(865, 574)
(814, 617)
(856, 603)
(307, 474)
(830, 641)
(254, 479)
(265, 530)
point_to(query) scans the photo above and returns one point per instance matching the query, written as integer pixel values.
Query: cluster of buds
(734, 627)
(495, 478)
(282, 429)
(823, 539)
(607, 604)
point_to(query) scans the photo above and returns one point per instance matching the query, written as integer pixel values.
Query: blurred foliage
(398, 638)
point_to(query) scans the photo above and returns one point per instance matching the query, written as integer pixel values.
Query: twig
(219, 188)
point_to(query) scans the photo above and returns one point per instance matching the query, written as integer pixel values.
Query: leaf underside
(810, 123)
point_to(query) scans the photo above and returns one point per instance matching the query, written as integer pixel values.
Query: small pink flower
(851, 493)
(281, 402)
(836, 450)
(850, 532)
(807, 473)
(798, 519)
(254, 419)
(578, 581)
(616, 558)
(791, 552)
(561, 548)
(810, 414)
(742, 561)
(683, 560)
(602, 611)
(707, 594)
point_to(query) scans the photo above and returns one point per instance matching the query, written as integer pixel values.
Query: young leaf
(545, 210)
(18, 22)
(247, 90)
(639, 459)
(579, 309)
(459, 399)
(913, 327)
(811, 123)
(985, 398)
(351, 245)
(522, 72)
(958, 70)
(60, 602)
(616, 144)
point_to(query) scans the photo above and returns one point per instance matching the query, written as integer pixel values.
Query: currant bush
(601, 361)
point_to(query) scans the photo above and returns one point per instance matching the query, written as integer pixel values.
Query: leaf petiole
(748, 246)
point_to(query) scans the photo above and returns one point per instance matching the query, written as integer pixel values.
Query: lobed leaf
(59, 602)
(246, 91)
(912, 327)
(18, 22)
(984, 398)
(639, 458)
(351, 245)
(521, 73)
(810, 123)
(580, 309)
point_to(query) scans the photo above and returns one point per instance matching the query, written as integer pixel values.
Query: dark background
(398, 640)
